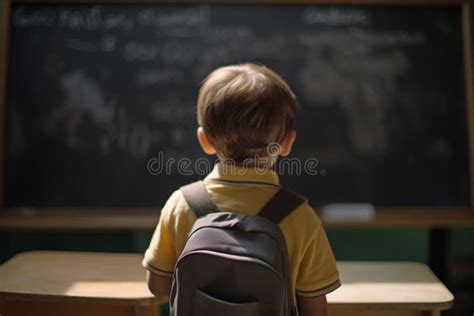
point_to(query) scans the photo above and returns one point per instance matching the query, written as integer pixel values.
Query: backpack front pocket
(205, 304)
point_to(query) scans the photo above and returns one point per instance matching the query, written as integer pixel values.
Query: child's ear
(287, 142)
(204, 142)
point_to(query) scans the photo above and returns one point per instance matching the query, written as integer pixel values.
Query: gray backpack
(233, 264)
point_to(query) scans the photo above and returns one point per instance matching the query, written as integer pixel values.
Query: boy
(242, 111)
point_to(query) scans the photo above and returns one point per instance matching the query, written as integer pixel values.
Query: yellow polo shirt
(312, 265)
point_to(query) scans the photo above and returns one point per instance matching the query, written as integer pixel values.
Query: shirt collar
(250, 175)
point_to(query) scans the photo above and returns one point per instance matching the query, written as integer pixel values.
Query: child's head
(242, 109)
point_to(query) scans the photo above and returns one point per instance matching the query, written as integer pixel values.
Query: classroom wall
(352, 244)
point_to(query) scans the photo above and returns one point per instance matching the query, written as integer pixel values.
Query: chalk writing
(335, 16)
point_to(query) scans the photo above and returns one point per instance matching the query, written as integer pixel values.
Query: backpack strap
(198, 198)
(281, 205)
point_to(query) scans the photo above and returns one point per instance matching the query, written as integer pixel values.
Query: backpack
(233, 264)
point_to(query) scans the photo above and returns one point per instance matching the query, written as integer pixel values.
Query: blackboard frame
(140, 212)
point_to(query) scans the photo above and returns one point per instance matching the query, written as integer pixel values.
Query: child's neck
(261, 163)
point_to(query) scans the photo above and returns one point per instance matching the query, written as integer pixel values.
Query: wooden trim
(3, 88)
(469, 89)
(130, 219)
(404, 218)
(327, 2)
(79, 218)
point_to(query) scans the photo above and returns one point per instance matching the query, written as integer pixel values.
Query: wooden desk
(72, 283)
(388, 289)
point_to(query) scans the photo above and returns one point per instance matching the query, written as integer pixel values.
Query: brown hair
(243, 108)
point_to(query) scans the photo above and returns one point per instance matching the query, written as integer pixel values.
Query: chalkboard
(99, 95)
